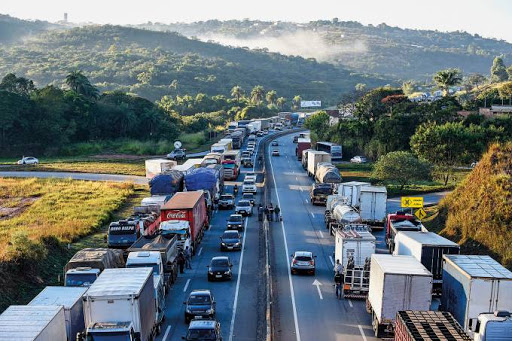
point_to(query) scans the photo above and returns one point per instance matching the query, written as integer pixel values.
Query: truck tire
(376, 327)
(368, 306)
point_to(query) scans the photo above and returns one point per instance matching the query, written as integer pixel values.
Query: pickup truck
(249, 187)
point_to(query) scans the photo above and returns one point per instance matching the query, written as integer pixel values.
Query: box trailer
(71, 299)
(372, 205)
(302, 144)
(158, 166)
(315, 157)
(33, 323)
(304, 158)
(352, 190)
(473, 285)
(428, 326)
(428, 248)
(396, 283)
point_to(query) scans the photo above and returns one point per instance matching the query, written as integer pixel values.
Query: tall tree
(271, 97)
(237, 92)
(257, 94)
(444, 79)
(318, 123)
(281, 101)
(509, 72)
(401, 167)
(296, 102)
(17, 85)
(80, 84)
(505, 92)
(498, 71)
(476, 79)
(408, 87)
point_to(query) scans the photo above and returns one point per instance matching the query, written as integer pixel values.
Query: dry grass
(125, 168)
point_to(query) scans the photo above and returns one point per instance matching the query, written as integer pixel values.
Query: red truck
(302, 144)
(191, 207)
(401, 221)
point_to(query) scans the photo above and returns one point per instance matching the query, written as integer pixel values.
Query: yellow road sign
(420, 214)
(414, 202)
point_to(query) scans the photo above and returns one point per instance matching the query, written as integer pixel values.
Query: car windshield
(236, 218)
(220, 262)
(303, 258)
(249, 183)
(230, 235)
(226, 197)
(201, 334)
(244, 203)
(199, 299)
(248, 196)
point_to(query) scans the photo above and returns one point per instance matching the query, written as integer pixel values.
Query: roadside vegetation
(100, 167)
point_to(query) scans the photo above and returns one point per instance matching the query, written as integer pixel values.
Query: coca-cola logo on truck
(177, 215)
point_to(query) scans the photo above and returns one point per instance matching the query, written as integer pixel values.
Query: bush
(401, 167)
(24, 252)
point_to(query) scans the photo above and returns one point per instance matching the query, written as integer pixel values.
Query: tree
(505, 92)
(370, 106)
(80, 84)
(408, 88)
(17, 85)
(509, 72)
(476, 79)
(401, 167)
(237, 92)
(257, 94)
(498, 71)
(271, 97)
(296, 102)
(318, 123)
(360, 87)
(444, 79)
(281, 101)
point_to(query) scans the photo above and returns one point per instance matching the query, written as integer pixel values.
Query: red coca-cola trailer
(191, 207)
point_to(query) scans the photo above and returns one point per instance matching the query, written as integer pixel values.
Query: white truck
(495, 326)
(71, 299)
(121, 303)
(158, 166)
(180, 228)
(354, 246)
(189, 165)
(372, 205)
(396, 283)
(314, 157)
(473, 285)
(33, 323)
(352, 190)
(257, 125)
(227, 142)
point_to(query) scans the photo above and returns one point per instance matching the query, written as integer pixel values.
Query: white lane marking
(186, 285)
(332, 261)
(294, 307)
(306, 201)
(166, 333)
(312, 214)
(296, 178)
(200, 250)
(235, 302)
(301, 189)
(362, 332)
(318, 284)
(350, 304)
(321, 234)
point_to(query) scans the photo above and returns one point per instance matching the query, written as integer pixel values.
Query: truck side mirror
(474, 326)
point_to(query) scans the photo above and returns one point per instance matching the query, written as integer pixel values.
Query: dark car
(235, 222)
(203, 330)
(230, 240)
(247, 162)
(220, 268)
(248, 196)
(200, 304)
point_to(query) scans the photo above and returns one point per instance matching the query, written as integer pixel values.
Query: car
(220, 268)
(250, 148)
(235, 222)
(275, 143)
(177, 154)
(249, 186)
(199, 304)
(265, 132)
(247, 162)
(249, 197)
(275, 152)
(296, 139)
(227, 201)
(259, 134)
(246, 154)
(244, 207)
(28, 160)
(250, 176)
(203, 330)
(230, 240)
(358, 159)
(303, 261)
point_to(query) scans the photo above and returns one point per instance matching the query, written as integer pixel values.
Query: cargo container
(121, 304)
(315, 157)
(191, 207)
(372, 205)
(333, 149)
(302, 144)
(257, 125)
(86, 265)
(304, 159)
(428, 326)
(327, 173)
(158, 166)
(188, 165)
(227, 142)
(400, 221)
(428, 248)
(204, 179)
(396, 283)
(166, 184)
(473, 285)
(68, 297)
(352, 190)
(33, 323)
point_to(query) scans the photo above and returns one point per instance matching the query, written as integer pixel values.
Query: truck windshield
(155, 267)
(201, 334)
(121, 230)
(229, 165)
(80, 280)
(182, 234)
(125, 239)
(113, 336)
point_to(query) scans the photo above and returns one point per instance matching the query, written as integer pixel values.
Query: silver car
(303, 261)
(244, 207)
(28, 160)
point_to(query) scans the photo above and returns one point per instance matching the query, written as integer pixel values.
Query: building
(496, 110)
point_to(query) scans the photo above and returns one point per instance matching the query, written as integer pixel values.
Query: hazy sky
(489, 18)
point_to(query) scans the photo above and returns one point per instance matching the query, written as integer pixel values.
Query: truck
(167, 183)
(232, 126)
(428, 248)
(372, 205)
(237, 138)
(87, 264)
(304, 159)
(353, 247)
(158, 166)
(180, 229)
(244, 131)
(33, 323)
(396, 283)
(227, 142)
(121, 304)
(327, 173)
(473, 285)
(302, 144)
(315, 157)
(167, 246)
(412, 325)
(191, 207)
(265, 124)
(319, 193)
(492, 326)
(342, 214)
(400, 221)
(206, 179)
(231, 161)
(219, 172)
(257, 125)
(218, 148)
(211, 159)
(352, 190)
(123, 233)
(70, 298)
(154, 202)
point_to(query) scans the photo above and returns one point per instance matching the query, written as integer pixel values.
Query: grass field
(125, 167)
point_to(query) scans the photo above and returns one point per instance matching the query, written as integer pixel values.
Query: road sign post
(420, 214)
(412, 202)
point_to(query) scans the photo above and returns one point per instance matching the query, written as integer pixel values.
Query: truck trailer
(87, 264)
(315, 157)
(352, 190)
(158, 166)
(302, 144)
(372, 205)
(428, 326)
(401, 221)
(33, 323)
(327, 173)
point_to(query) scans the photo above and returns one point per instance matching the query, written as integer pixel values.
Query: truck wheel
(368, 306)
(377, 328)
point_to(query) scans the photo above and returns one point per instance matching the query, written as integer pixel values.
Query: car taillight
(294, 261)
(311, 262)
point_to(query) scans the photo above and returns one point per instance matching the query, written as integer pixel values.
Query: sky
(488, 18)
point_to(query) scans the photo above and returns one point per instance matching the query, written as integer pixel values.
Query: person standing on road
(270, 212)
(267, 212)
(277, 210)
(188, 257)
(338, 278)
(261, 211)
(181, 262)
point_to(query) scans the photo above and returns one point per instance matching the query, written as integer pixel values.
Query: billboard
(310, 104)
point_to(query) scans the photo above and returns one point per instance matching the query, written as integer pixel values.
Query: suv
(203, 330)
(235, 222)
(220, 268)
(230, 240)
(249, 196)
(303, 261)
(251, 176)
(249, 186)
(227, 201)
(244, 207)
(200, 304)
(177, 154)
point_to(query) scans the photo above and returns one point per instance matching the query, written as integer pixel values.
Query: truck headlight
(223, 244)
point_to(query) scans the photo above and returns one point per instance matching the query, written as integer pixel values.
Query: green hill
(478, 213)
(14, 30)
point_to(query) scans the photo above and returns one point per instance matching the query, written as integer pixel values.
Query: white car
(275, 152)
(249, 187)
(250, 177)
(28, 160)
(244, 207)
(358, 159)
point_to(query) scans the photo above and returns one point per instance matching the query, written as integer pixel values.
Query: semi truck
(372, 205)
(352, 190)
(191, 207)
(228, 142)
(211, 159)
(304, 159)
(493, 326)
(180, 229)
(70, 298)
(342, 214)
(123, 233)
(327, 173)
(33, 323)
(204, 179)
(121, 304)
(189, 165)
(158, 166)
(237, 138)
(401, 221)
(231, 162)
(87, 264)
(397, 283)
(428, 248)
(232, 126)
(473, 285)
(166, 184)
(302, 144)
(414, 325)
(315, 157)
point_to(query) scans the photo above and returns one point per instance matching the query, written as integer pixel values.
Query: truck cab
(81, 277)
(495, 326)
(180, 228)
(123, 233)
(100, 331)
(401, 221)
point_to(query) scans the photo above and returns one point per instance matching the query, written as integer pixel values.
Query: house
(495, 110)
